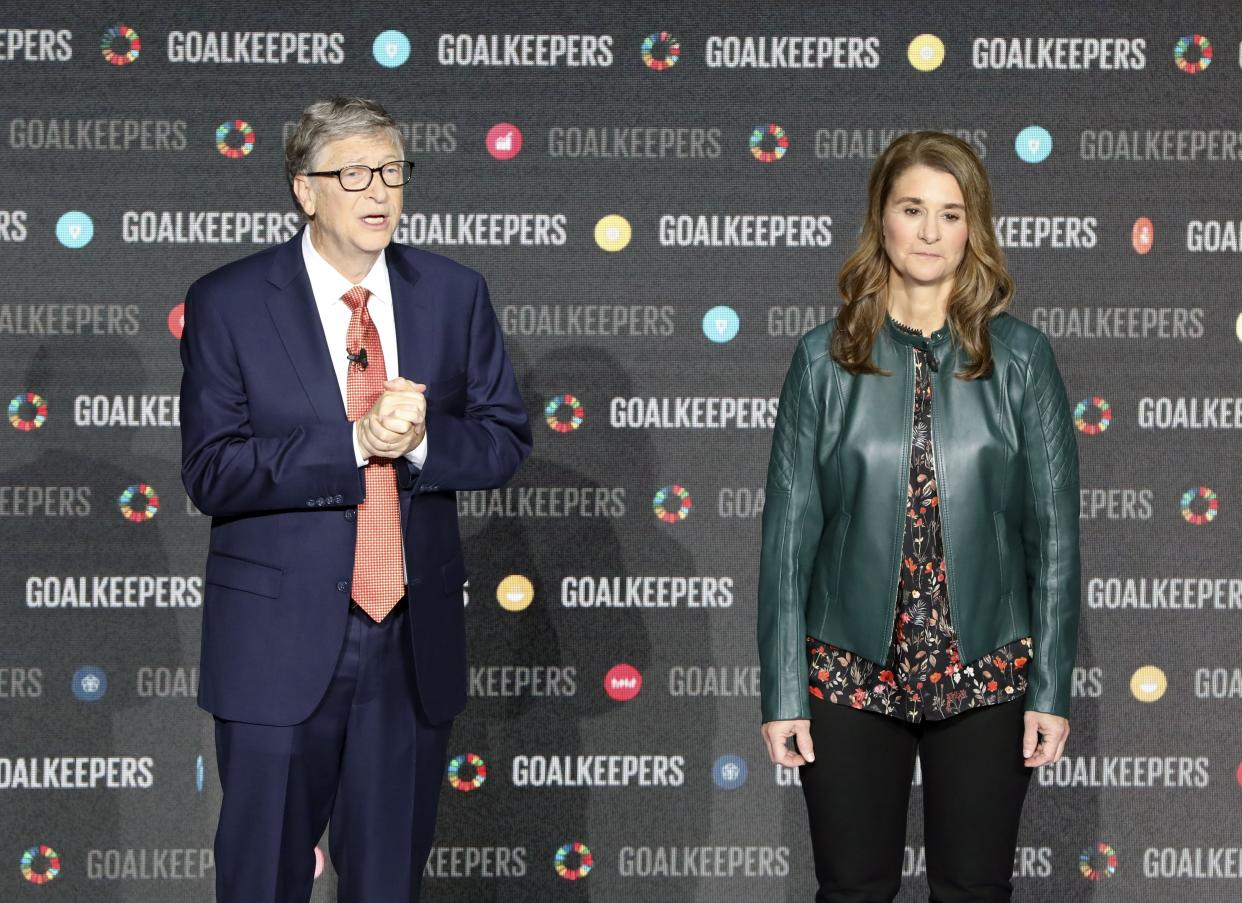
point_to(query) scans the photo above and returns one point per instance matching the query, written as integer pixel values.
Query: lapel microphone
(358, 357)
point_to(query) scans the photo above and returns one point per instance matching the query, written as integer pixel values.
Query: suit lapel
(292, 306)
(409, 311)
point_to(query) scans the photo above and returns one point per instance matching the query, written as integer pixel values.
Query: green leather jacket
(834, 513)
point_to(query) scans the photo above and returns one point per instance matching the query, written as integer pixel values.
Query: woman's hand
(1043, 741)
(775, 733)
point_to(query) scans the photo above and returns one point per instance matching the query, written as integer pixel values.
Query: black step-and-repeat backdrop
(660, 196)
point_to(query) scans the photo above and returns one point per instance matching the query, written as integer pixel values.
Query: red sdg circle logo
(623, 682)
(176, 320)
(504, 141)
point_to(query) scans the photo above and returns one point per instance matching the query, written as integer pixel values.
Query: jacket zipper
(940, 493)
(905, 481)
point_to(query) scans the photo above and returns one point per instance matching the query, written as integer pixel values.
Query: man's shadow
(582, 643)
(89, 537)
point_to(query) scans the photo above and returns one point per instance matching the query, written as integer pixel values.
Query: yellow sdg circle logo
(1148, 683)
(515, 593)
(613, 232)
(926, 52)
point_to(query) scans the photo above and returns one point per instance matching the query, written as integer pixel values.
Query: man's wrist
(360, 455)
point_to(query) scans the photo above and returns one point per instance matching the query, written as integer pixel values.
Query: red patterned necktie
(379, 575)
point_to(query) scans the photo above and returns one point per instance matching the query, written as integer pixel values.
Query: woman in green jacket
(919, 578)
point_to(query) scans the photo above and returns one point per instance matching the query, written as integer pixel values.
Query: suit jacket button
(319, 502)
(310, 503)
(339, 499)
(342, 586)
(349, 515)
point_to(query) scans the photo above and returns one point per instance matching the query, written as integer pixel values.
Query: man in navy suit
(338, 390)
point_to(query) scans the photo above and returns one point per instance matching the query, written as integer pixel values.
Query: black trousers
(858, 790)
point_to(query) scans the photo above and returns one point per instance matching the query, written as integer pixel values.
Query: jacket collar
(900, 333)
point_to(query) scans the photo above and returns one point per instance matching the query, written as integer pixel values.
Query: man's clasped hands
(396, 422)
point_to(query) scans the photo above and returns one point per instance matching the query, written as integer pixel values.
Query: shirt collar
(329, 285)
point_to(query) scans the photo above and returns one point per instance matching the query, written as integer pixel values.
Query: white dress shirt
(328, 286)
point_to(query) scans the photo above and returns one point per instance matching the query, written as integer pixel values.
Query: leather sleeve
(793, 520)
(1050, 532)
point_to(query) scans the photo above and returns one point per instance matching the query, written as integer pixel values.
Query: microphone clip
(358, 358)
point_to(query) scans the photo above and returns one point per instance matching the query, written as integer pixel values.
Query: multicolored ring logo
(780, 139)
(672, 51)
(1107, 854)
(1205, 53)
(227, 128)
(663, 496)
(107, 45)
(125, 503)
(457, 782)
(1103, 412)
(585, 861)
(46, 854)
(1208, 496)
(36, 413)
(554, 409)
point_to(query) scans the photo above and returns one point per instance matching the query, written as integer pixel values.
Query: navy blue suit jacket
(267, 451)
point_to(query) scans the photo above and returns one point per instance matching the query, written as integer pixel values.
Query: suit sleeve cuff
(418, 455)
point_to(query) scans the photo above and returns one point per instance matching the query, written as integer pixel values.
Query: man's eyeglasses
(358, 176)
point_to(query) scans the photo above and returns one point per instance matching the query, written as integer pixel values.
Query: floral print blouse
(926, 679)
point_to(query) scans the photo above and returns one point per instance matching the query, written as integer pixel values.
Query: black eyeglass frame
(409, 174)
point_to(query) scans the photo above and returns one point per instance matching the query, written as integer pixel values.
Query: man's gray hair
(328, 120)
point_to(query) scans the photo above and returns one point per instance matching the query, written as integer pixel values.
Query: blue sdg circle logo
(89, 683)
(720, 324)
(729, 772)
(391, 49)
(1033, 144)
(75, 229)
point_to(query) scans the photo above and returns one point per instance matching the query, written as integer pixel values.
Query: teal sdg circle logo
(721, 323)
(1033, 144)
(391, 49)
(75, 229)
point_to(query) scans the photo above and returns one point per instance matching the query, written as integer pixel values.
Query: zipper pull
(931, 358)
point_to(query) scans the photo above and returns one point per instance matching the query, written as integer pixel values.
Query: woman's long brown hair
(982, 286)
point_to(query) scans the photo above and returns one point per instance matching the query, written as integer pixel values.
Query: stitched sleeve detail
(1048, 392)
(785, 435)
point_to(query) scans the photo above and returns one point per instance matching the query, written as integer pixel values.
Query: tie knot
(356, 297)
